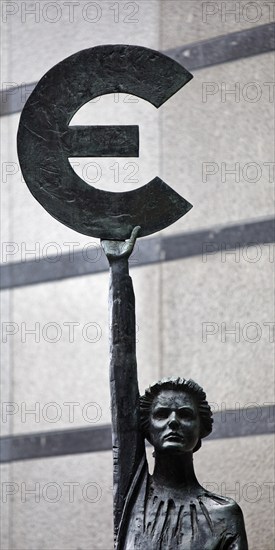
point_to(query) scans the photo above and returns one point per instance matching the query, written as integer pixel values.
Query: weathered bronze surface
(46, 141)
(169, 510)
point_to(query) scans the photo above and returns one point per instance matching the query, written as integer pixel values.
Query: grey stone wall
(191, 141)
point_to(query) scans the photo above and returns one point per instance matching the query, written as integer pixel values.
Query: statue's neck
(175, 470)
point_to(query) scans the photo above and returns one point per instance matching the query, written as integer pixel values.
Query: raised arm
(128, 443)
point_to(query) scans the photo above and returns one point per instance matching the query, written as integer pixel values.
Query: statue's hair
(179, 385)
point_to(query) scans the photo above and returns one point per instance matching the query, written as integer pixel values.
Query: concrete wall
(178, 303)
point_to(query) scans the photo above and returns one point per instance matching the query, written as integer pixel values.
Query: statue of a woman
(169, 510)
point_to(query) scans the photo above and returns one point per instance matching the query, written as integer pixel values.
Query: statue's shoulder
(225, 511)
(222, 503)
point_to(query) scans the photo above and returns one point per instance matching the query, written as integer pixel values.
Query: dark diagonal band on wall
(202, 243)
(194, 56)
(244, 422)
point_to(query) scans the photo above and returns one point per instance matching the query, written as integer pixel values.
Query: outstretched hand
(120, 249)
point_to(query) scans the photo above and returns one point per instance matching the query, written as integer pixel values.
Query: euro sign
(46, 141)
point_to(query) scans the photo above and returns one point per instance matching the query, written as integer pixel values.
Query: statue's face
(174, 422)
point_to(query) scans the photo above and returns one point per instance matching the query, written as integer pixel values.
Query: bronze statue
(169, 510)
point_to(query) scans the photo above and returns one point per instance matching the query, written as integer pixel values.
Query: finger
(105, 246)
(134, 234)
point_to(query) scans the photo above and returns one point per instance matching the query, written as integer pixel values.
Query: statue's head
(175, 415)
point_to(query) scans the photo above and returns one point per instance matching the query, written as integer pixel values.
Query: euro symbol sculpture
(46, 141)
